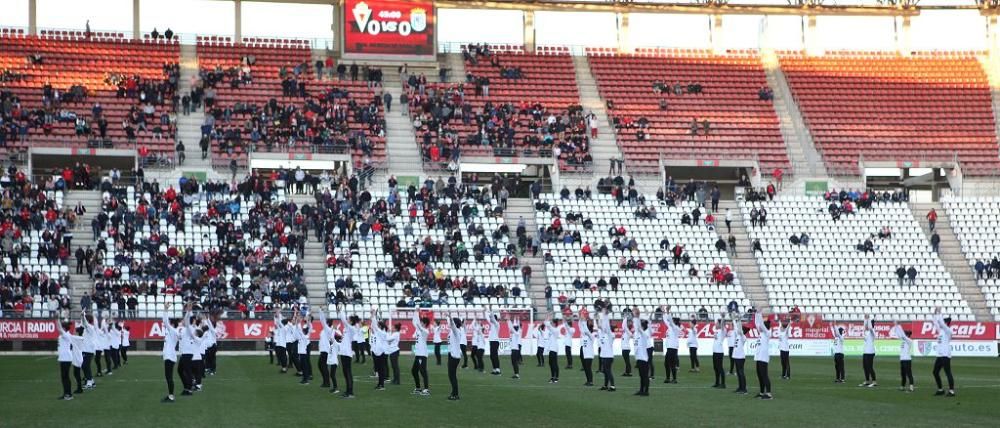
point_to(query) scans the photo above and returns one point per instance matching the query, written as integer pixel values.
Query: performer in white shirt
(739, 335)
(718, 343)
(379, 330)
(456, 337)
(280, 342)
(838, 353)
(171, 336)
(586, 346)
(642, 360)
(607, 351)
(323, 345)
(190, 344)
(77, 349)
(88, 348)
(479, 346)
(943, 360)
(211, 344)
(905, 358)
(65, 358)
(514, 329)
(115, 342)
(552, 343)
(494, 340)
(567, 341)
(392, 350)
(692, 343)
(763, 355)
(419, 369)
(783, 333)
(346, 351)
(541, 338)
(672, 328)
(627, 342)
(868, 358)
(126, 343)
(303, 328)
(730, 342)
(436, 333)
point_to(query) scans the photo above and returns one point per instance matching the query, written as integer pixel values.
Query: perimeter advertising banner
(389, 27)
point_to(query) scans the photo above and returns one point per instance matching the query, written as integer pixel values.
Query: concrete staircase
(744, 262)
(805, 159)
(524, 207)
(950, 252)
(189, 126)
(82, 238)
(605, 146)
(456, 67)
(401, 141)
(314, 261)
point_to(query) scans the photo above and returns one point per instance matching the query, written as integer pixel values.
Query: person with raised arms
(739, 342)
(642, 360)
(838, 353)
(280, 342)
(943, 360)
(436, 332)
(346, 352)
(64, 348)
(514, 329)
(586, 345)
(171, 336)
(419, 369)
(541, 339)
(692, 343)
(552, 343)
(763, 355)
(379, 329)
(868, 358)
(392, 350)
(672, 327)
(627, 345)
(607, 351)
(718, 344)
(323, 345)
(88, 346)
(784, 331)
(905, 358)
(456, 337)
(494, 340)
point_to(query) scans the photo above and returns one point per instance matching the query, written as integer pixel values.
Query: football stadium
(552, 213)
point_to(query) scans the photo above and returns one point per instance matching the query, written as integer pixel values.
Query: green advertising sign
(406, 180)
(816, 188)
(885, 347)
(201, 176)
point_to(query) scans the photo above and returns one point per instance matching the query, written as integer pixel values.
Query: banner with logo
(28, 329)
(389, 27)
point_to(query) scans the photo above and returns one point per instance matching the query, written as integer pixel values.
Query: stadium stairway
(314, 261)
(805, 159)
(950, 253)
(456, 67)
(744, 262)
(524, 207)
(189, 127)
(82, 235)
(400, 140)
(605, 146)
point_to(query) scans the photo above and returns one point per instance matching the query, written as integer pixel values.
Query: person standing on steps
(387, 101)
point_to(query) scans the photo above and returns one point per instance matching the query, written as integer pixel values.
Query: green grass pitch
(249, 392)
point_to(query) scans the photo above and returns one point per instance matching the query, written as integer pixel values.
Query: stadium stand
(65, 89)
(35, 237)
(846, 269)
(931, 106)
(693, 85)
(509, 104)
(445, 245)
(265, 93)
(234, 249)
(575, 226)
(976, 223)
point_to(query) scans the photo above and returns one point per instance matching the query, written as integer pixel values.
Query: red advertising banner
(389, 27)
(151, 329)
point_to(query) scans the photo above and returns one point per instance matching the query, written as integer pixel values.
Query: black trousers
(838, 366)
(786, 365)
(453, 374)
(628, 361)
(87, 359)
(168, 374)
(644, 374)
(332, 369)
(607, 365)
(495, 355)
(763, 378)
(465, 356)
(693, 354)
(553, 365)
(906, 372)
(868, 364)
(64, 377)
(720, 372)
(358, 351)
(670, 363)
(116, 357)
(98, 356)
(79, 379)
(515, 360)
(588, 369)
(741, 375)
(124, 352)
(198, 369)
(649, 363)
(324, 370)
(394, 362)
(419, 371)
(732, 363)
(480, 352)
(437, 353)
(943, 363)
(569, 357)
(107, 358)
(293, 355)
(210, 359)
(185, 370)
(282, 356)
(345, 365)
(540, 355)
(381, 369)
